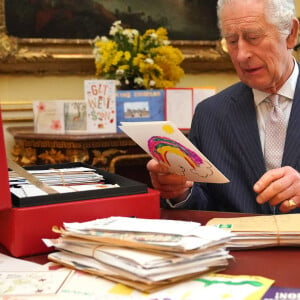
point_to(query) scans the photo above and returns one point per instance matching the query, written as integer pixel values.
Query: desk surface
(279, 263)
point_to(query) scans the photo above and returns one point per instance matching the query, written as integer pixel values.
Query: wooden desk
(115, 152)
(278, 263)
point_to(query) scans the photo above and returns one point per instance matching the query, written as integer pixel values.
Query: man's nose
(244, 52)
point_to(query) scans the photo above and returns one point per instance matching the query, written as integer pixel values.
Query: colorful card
(169, 146)
(209, 287)
(281, 293)
(140, 105)
(33, 283)
(100, 96)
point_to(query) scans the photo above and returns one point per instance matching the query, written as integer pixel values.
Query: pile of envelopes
(146, 254)
(261, 231)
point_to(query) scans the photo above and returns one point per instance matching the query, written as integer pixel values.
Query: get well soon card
(169, 146)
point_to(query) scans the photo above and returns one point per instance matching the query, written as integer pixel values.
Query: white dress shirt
(286, 93)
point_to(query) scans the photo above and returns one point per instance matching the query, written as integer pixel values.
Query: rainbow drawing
(160, 146)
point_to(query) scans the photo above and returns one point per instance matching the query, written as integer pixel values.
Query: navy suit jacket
(225, 130)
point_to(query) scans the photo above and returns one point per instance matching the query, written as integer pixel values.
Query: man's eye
(231, 41)
(254, 39)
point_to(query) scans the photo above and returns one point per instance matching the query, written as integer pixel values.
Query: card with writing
(100, 96)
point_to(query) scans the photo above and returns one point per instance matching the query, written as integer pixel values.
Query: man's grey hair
(278, 12)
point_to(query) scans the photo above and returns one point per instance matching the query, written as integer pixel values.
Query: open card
(169, 146)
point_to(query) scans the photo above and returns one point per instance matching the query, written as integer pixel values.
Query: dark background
(86, 19)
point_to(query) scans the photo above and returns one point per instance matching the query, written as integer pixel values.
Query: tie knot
(274, 99)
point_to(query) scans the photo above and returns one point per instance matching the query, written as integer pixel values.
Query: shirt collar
(287, 90)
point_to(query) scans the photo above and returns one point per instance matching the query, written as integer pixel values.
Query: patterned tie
(275, 132)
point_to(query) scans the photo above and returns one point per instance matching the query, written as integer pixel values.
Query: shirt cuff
(178, 204)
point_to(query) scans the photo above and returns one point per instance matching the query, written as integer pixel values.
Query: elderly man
(253, 141)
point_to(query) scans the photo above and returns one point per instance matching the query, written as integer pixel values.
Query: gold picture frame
(74, 56)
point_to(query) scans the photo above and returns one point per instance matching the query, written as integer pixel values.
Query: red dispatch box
(22, 228)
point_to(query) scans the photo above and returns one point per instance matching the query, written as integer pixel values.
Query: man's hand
(279, 187)
(171, 186)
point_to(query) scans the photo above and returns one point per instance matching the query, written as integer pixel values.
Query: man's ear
(292, 38)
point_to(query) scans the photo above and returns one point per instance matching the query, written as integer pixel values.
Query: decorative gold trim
(74, 56)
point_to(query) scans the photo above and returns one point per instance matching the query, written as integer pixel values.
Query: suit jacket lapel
(244, 126)
(292, 145)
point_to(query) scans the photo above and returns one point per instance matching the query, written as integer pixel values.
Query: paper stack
(261, 231)
(146, 254)
(63, 180)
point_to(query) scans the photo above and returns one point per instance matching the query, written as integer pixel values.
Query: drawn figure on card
(180, 159)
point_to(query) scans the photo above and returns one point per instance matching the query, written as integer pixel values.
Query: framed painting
(55, 36)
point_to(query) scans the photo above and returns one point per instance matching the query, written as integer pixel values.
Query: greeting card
(75, 116)
(169, 146)
(48, 117)
(100, 96)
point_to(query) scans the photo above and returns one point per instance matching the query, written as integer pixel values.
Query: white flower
(152, 83)
(153, 36)
(139, 81)
(97, 55)
(117, 23)
(149, 61)
(113, 31)
(120, 72)
(102, 39)
(135, 32)
(130, 34)
(116, 27)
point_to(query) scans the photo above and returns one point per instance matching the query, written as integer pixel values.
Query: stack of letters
(261, 231)
(63, 180)
(147, 254)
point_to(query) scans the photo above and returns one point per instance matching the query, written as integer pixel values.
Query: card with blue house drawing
(169, 146)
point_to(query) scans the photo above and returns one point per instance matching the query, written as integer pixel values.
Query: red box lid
(5, 198)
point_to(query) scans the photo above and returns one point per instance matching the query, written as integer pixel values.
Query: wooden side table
(115, 152)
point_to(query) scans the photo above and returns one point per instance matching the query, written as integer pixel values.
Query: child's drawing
(169, 146)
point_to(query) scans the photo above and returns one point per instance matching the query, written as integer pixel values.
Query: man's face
(258, 51)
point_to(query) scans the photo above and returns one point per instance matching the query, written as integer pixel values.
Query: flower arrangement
(138, 61)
